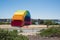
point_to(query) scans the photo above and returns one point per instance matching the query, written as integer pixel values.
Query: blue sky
(43, 9)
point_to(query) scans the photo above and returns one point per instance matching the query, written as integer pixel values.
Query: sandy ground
(30, 26)
(30, 35)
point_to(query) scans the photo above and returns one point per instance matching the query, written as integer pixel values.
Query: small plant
(11, 35)
(51, 32)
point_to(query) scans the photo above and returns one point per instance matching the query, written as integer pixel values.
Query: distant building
(5, 20)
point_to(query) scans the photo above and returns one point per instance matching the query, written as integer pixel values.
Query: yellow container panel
(18, 17)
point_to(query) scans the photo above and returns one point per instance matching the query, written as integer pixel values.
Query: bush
(51, 32)
(11, 35)
(1, 23)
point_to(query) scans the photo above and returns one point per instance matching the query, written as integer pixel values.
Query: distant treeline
(35, 21)
(45, 22)
(1, 23)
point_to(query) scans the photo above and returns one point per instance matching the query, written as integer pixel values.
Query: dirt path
(40, 38)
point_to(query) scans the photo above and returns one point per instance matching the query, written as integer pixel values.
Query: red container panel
(27, 23)
(17, 23)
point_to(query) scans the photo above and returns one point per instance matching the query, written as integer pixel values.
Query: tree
(40, 21)
(33, 21)
(48, 22)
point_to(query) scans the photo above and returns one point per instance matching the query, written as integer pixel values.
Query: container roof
(20, 12)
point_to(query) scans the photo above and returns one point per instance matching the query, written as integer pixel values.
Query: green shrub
(1, 23)
(11, 35)
(51, 32)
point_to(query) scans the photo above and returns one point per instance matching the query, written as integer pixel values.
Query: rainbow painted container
(21, 18)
